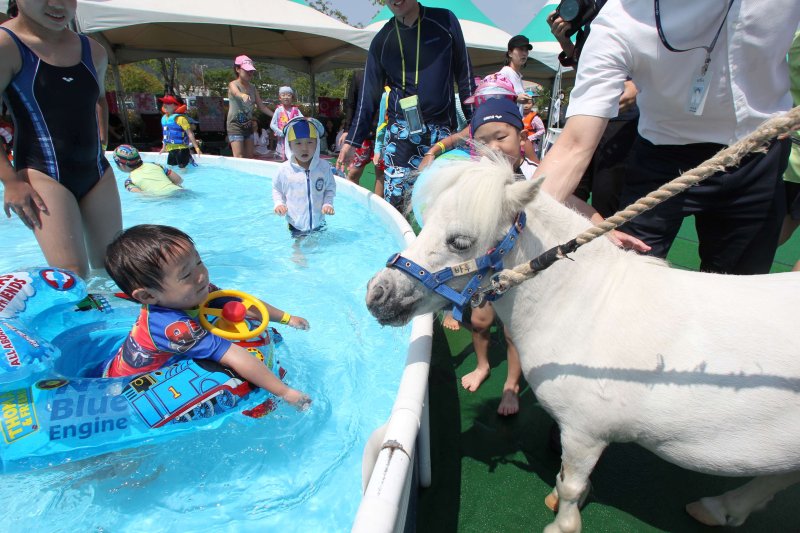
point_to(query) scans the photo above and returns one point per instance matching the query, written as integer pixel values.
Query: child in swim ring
(148, 178)
(159, 267)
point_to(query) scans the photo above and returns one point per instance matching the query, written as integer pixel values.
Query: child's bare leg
(378, 182)
(449, 322)
(102, 218)
(61, 235)
(482, 318)
(354, 174)
(509, 403)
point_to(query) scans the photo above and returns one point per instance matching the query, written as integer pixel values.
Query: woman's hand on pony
(628, 242)
(21, 199)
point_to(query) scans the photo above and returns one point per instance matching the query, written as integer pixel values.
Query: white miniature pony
(701, 369)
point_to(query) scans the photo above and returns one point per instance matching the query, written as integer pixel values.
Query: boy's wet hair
(135, 258)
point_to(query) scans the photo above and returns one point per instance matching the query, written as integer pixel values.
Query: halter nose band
(437, 281)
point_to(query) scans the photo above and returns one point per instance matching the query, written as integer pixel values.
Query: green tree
(134, 80)
(323, 6)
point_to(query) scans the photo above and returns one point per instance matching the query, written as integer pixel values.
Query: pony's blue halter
(436, 281)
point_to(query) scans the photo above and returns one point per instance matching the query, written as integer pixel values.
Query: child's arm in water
(174, 177)
(277, 315)
(254, 371)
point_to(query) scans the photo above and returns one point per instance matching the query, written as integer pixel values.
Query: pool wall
(387, 463)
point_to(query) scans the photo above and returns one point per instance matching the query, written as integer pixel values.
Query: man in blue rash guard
(419, 53)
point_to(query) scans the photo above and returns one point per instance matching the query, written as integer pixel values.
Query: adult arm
(369, 97)
(18, 195)
(263, 107)
(568, 159)
(462, 67)
(559, 28)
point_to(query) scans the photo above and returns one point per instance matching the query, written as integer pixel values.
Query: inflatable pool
(54, 335)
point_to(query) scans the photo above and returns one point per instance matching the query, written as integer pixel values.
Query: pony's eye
(459, 243)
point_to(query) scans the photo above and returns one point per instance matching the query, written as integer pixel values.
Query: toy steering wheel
(231, 323)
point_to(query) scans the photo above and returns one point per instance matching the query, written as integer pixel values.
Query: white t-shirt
(261, 143)
(749, 78)
(516, 81)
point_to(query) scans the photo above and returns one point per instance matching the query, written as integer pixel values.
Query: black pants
(738, 214)
(179, 156)
(606, 172)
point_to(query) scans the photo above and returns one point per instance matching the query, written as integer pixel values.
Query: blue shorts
(403, 152)
(238, 138)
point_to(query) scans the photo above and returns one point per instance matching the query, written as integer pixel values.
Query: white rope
(726, 158)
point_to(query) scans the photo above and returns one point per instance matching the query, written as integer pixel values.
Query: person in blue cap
(304, 188)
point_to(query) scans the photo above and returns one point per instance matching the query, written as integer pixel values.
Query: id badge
(697, 94)
(411, 112)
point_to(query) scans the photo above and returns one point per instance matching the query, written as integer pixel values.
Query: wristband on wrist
(441, 145)
(286, 318)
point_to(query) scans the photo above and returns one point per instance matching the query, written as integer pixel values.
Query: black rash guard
(443, 59)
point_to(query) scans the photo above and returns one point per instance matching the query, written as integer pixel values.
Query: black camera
(577, 12)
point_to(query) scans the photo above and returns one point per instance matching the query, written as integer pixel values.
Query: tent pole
(123, 111)
(314, 110)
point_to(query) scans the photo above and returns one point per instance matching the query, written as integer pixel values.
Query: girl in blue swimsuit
(62, 186)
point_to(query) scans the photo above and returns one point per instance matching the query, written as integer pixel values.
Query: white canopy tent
(486, 43)
(275, 31)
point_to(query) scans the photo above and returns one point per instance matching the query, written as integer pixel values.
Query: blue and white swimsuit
(55, 119)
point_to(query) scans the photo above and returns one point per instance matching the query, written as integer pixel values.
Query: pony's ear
(521, 193)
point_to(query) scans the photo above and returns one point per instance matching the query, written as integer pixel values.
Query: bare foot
(509, 404)
(450, 323)
(473, 380)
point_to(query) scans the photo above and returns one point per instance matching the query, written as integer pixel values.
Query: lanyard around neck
(403, 56)
(708, 48)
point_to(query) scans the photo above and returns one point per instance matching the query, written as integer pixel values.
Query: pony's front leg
(580, 453)
(733, 507)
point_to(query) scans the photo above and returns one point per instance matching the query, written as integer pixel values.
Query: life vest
(173, 133)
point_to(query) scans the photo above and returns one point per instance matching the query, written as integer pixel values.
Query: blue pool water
(289, 471)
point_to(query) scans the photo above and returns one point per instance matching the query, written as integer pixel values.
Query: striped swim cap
(127, 155)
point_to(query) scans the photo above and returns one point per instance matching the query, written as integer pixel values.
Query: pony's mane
(480, 186)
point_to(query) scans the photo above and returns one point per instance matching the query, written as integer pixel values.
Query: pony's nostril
(377, 294)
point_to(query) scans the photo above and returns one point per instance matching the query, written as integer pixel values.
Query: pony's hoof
(552, 502)
(703, 514)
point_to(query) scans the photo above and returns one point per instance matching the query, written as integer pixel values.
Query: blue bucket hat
(496, 110)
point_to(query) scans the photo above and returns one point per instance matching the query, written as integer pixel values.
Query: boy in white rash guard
(305, 187)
